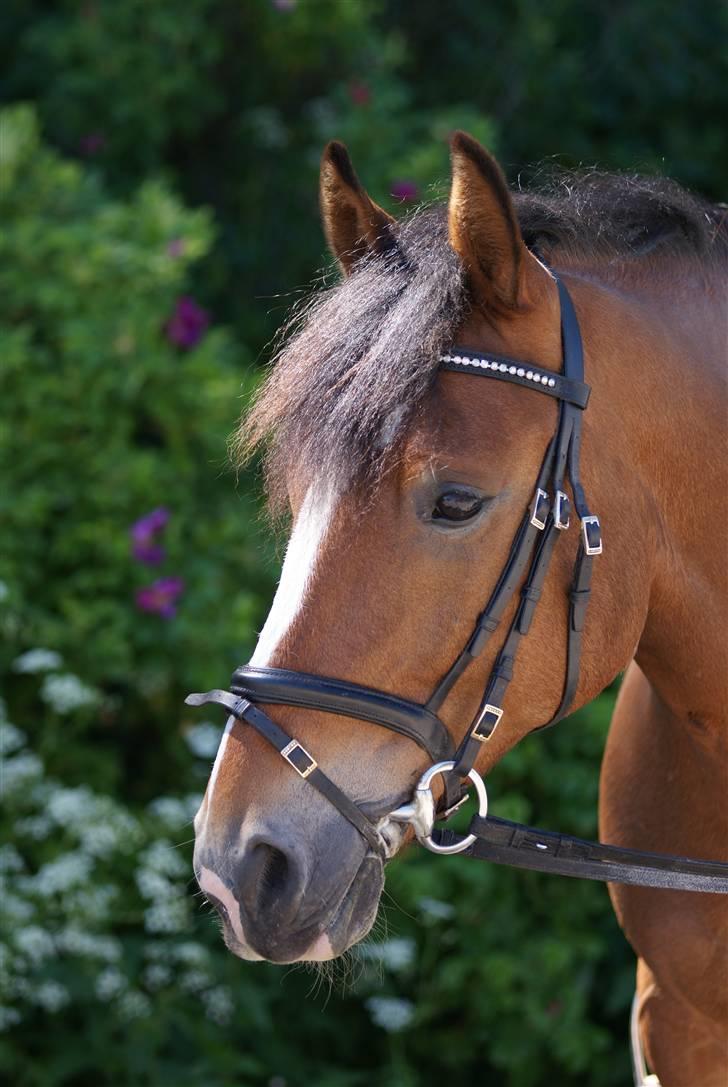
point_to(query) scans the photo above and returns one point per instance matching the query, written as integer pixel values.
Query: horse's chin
(355, 916)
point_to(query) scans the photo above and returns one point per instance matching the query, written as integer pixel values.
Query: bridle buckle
(540, 509)
(562, 511)
(591, 531)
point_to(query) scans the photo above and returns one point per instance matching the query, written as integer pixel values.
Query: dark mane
(357, 360)
(593, 215)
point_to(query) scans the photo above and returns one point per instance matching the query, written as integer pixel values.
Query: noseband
(548, 516)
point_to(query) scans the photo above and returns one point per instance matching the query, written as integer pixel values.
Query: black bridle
(547, 516)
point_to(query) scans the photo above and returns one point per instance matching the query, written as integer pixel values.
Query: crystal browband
(531, 377)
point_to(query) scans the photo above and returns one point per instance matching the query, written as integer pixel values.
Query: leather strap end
(579, 600)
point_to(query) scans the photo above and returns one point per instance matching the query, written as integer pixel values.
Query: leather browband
(525, 374)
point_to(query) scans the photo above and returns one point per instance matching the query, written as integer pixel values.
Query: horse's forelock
(357, 360)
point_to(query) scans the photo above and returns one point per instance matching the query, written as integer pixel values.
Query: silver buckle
(562, 511)
(494, 712)
(288, 754)
(593, 539)
(540, 509)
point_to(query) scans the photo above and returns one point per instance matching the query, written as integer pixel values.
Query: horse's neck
(671, 363)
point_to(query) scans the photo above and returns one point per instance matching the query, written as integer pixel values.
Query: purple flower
(404, 190)
(161, 596)
(150, 553)
(92, 143)
(145, 547)
(284, 5)
(359, 93)
(176, 247)
(187, 324)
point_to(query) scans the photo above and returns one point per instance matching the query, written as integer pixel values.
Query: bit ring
(420, 811)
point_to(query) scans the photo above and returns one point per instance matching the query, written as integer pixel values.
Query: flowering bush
(115, 425)
(110, 974)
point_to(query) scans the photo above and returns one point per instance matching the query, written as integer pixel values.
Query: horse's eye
(457, 504)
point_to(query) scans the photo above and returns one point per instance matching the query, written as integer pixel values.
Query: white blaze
(218, 757)
(303, 548)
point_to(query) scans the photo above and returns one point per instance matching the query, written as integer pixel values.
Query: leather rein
(548, 515)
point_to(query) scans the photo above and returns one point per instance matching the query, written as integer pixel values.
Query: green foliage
(624, 87)
(105, 420)
(109, 414)
(234, 101)
(110, 976)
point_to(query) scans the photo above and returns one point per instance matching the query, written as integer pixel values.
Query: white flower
(391, 1013)
(101, 825)
(8, 1017)
(436, 909)
(90, 903)
(175, 811)
(20, 771)
(37, 660)
(170, 810)
(169, 916)
(157, 976)
(218, 1004)
(394, 954)
(67, 693)
(190, 954)
(35, 943)
(10, 859)
(15, 908)
(134, 1005)
(37, 827)
(76, 941)
(157, 949)
(72, 807)
(52, 996)
(163, 857)
(110, 983)
(101, 839)
(153, 886)
(11, 738)
(194, 980)
(67, 871)
(203, 739)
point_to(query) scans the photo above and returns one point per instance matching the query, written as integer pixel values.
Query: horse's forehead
(470, 418)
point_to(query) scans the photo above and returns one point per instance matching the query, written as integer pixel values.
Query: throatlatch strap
(578, 600)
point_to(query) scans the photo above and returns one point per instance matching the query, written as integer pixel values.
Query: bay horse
(405, 483)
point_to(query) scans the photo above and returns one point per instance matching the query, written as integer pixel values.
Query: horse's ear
(353, 223)
(483, 227)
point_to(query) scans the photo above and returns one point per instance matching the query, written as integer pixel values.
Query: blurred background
(159, 216)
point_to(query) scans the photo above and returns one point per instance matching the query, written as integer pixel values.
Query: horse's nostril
(273, 868)
(270, 882)
(221, 909)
